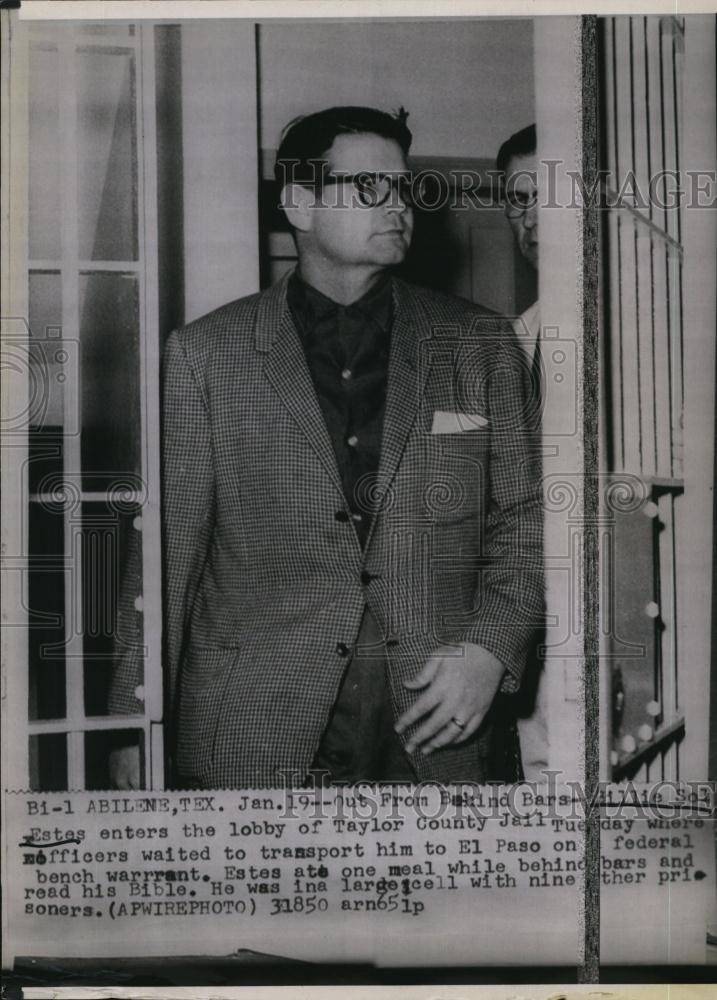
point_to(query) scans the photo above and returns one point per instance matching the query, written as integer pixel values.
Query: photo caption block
(389, 875)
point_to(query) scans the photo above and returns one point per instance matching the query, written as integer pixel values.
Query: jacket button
(367, 577)
(341, 515)
(342, 649)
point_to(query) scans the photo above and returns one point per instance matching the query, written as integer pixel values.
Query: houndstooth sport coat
(265, 580)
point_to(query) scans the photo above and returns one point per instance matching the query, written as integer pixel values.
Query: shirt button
(346, 374)
(341, 515)
(357, 517)
(352, 441)
(342, 649)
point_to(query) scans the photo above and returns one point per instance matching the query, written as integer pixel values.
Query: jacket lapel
(407, 373)
(286, 369)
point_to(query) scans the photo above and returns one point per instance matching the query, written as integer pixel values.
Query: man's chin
(390, 259)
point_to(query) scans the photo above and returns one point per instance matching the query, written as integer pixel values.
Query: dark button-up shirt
(347, 349)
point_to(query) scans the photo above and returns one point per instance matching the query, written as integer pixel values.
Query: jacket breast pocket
(456, 475)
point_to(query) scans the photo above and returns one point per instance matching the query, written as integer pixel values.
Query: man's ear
(297, 201)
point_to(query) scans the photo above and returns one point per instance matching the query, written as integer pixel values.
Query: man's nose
(397, 203)
(530, 217)
(399, 200)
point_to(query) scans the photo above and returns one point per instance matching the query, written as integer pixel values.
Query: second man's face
(348, 233)
(521, 191)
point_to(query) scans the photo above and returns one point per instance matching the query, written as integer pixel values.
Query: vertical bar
(677, 82)
(678, 68)
(642, 246)
(623, 97)
(559, 72)
(655, 112)
(679, 338)
(646, 348)
(607, 625)
(651, 95)
(14, 121)
(155, 755)
(680, 645)
(640, 114)
(629, 359)
(668, 641)
(669, 223)
(658, 569)
(149, 401)
(149, 384)
(74, 617)
(663, 362)
(72, 447)
(677, 402)
(590, 971)
(76, 778)
(613, 332)
(669, 112)
(609, 97)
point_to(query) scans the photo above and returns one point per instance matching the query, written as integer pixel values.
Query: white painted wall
(219, 127)
(696, 550)
(467, 84)
(558, 70)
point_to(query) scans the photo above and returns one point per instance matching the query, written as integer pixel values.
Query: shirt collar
(309, 306)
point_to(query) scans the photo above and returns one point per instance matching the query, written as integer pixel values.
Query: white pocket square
(446, 422)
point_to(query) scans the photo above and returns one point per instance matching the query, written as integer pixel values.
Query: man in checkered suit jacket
(351, 502)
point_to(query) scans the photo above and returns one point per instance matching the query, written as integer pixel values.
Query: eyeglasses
(517, 203)
(374, 189)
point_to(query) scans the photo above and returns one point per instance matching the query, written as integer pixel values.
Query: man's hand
(460, 684)
(124, 768)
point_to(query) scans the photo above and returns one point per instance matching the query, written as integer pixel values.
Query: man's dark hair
(521, 143)
(310, 137)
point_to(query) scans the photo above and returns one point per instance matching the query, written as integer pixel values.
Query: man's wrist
(485, 660)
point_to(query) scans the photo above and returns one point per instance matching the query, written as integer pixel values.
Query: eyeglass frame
(513, 211)
(395, 179)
